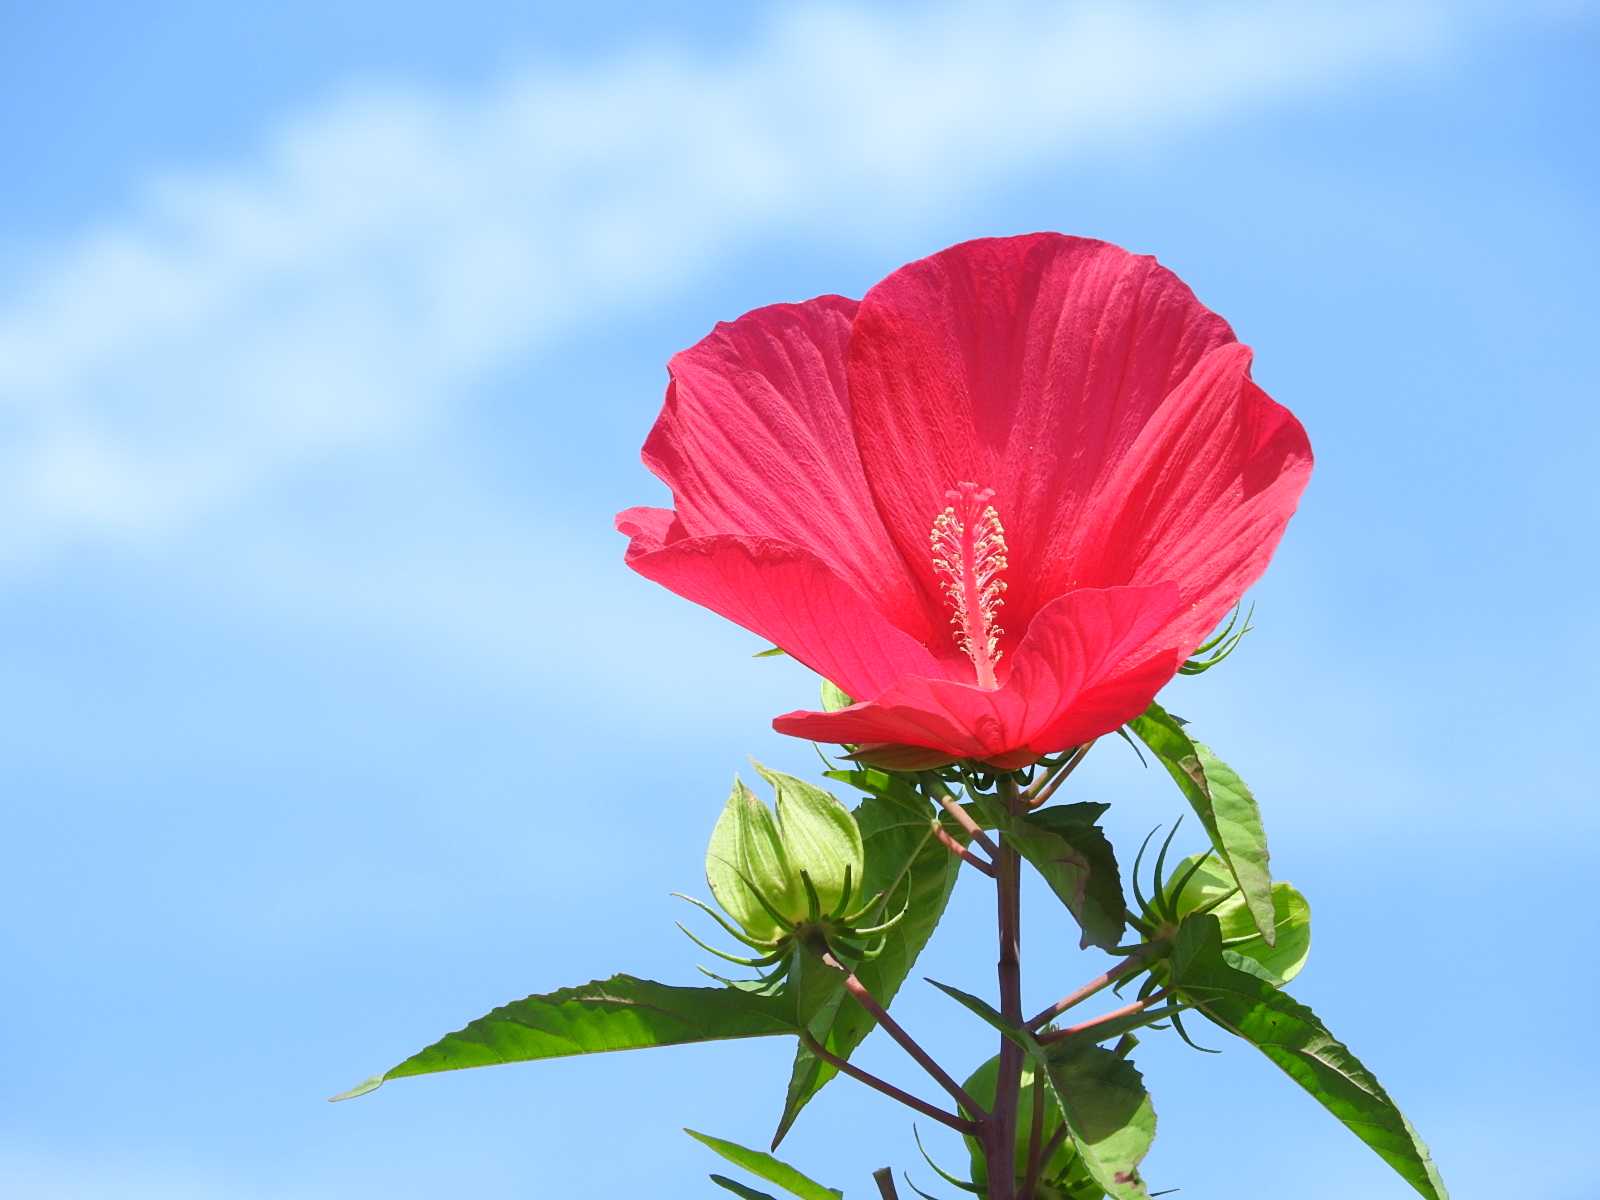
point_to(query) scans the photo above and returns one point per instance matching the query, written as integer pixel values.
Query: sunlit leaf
(1223, 803)
(1063, 843)
(1237, 998)
(620, 1013)
(764, 1166)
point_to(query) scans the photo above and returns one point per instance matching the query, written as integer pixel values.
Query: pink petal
(789, 596)
(1203, 495)
(1029, 365)
(756, 439)
(1091, 661)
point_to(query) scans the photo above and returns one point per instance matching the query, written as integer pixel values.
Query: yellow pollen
(969, 552)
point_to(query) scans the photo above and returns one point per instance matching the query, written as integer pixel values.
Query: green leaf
(980, 1085)
(741, 1190)
(909, 865)
(1237, 998)
(834, 697)
(1211, 888)
(764, 1166)
(620, 1013)
(820, 837)
(1108, 1113)
(1100, 1095)
(770, 652)
(1074, 856)
(1224, 804)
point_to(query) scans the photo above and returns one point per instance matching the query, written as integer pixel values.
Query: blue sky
(329, 717)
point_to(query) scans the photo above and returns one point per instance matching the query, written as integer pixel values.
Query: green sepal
(764, 1166)
(747, 869)
(906, 865)
(620, 1013)
(821, 840)
(1225, 806)
(834, 697)
(1237, 997)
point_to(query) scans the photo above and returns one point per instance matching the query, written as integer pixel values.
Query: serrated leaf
(1223, 803)
(764, 1166)
(1103, 1100)
(620, 1013)
(1247, 1005)
(1100, 1096)
(901, 851)
(1074, 856)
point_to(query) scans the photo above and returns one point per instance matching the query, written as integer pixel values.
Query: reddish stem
(1126, 1010)
(961, 852)
(907, 1043)
(964, 819)
(884, 1178)
(1127, 966)
(1002, 1124)
(959, 1124)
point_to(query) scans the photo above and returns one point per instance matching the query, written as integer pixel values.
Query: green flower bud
(1207, 886)
(772, 874)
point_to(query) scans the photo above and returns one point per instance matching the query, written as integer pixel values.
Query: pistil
(969, 552)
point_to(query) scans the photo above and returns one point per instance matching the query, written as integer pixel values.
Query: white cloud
(336, 292)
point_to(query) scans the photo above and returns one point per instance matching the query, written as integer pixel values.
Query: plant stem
(961, 852)
(1001, 1128)
(1127, 1010)
(1127, 966)
(884, 1178)
(1030, 1181)
(907, 1043)
(1046, 787)
(933, 1112)
(964, 819)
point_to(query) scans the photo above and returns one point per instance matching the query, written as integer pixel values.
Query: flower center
(969, 552)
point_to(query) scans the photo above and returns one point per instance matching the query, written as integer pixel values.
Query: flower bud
(772, 874)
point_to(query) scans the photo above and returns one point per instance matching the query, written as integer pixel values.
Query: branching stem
(961, 852)
(1133, 963)
(907, 1043)
(1127, 1010)
(964, 819)
(931, 1111)
(1046, 786)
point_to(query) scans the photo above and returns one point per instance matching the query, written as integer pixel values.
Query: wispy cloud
(335, 292)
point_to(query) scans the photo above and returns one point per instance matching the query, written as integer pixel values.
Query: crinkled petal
(755, 438)
(1204, 495)
(1092, 660)
(787, 595)
(1030, 365)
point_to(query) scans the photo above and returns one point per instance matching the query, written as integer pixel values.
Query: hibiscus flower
(998, 501)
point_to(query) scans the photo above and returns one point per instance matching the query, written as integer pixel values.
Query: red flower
(998, 501)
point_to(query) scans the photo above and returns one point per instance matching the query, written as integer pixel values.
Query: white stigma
(969, 552)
